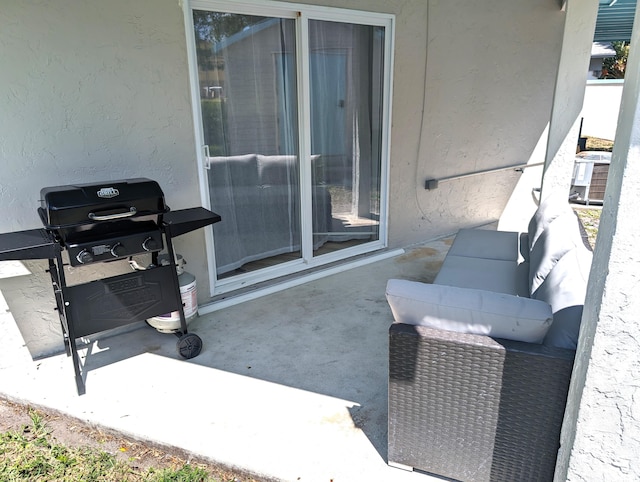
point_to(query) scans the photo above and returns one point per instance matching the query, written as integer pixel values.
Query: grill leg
(189, 344)
(76, 366)
(57, 291)
(56, 270)
(176, 283)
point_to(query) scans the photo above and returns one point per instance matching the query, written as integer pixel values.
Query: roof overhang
(615, 20)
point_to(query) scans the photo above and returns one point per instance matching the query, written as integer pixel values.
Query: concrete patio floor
(291, 386)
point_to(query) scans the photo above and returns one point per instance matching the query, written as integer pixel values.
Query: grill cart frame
(105, 303)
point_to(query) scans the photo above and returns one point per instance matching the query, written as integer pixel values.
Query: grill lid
(74, 205)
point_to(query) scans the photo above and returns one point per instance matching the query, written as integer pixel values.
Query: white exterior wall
(90, 91)
(601, 108)
(569, 96)
(99, 90)
(487, 99)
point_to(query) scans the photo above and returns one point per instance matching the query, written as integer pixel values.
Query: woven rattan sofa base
(474, 408)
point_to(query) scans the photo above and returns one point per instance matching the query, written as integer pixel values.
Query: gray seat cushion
(485, 274)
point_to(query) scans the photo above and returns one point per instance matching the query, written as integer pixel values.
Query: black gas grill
(105, 222)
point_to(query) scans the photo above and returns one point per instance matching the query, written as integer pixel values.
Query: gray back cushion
(559, 237)
(484, 274)
(278, 170)
(550, 208)
(564, 289)
(487, 244)
(234, 171)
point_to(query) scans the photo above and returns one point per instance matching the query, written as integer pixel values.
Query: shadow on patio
(291, 386)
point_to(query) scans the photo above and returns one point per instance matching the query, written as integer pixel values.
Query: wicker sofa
(480, 360)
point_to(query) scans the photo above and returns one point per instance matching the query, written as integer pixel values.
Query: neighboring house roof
(602, 50)
(615, 20)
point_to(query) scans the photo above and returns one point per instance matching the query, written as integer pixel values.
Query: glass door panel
(346, 89)
(247, 85)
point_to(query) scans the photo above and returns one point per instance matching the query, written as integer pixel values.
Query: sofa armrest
(469, 310)
(471, 407)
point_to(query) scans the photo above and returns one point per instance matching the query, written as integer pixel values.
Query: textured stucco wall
(601, 432)
(487, 99)
(96, 90)
(569, 95)
(91, 90)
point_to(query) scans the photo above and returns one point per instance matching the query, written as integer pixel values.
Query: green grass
(597, 144)
(33, 454)
(590, 219)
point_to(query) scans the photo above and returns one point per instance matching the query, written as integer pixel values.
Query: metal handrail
(430, 184)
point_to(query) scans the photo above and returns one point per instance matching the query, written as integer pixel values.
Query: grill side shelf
(186, 220)
(30, 244)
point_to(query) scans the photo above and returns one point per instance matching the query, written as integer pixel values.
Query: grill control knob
(150, 244)
(118, 250)
(84, 257)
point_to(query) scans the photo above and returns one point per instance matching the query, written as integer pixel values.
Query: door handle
(207, 159)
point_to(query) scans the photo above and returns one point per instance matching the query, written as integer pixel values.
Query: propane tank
(170, 322)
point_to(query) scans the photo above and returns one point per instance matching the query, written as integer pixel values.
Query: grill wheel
(189, 345)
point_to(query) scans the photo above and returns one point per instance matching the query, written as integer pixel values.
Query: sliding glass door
(293, 121)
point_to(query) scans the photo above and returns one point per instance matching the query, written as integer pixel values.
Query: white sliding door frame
(302, 14)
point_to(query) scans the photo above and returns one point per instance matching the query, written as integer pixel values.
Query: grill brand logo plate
(108, 192)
